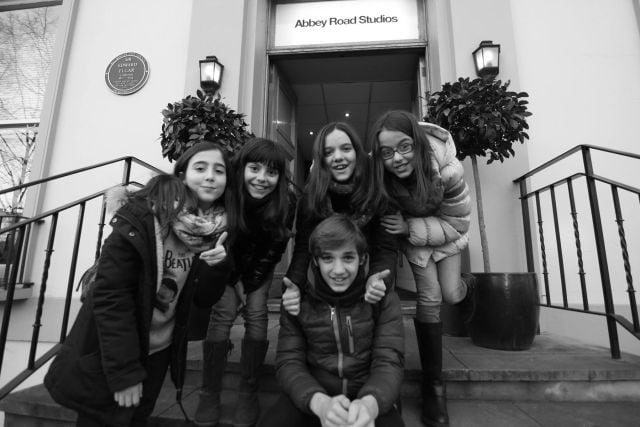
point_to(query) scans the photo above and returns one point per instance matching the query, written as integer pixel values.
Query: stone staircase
(558, 381)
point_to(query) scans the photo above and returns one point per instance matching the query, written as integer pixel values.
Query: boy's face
(339, 267)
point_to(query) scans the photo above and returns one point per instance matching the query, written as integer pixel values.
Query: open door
(281, 128)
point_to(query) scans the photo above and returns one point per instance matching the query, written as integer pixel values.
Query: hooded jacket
(354, 349)
(108, 344)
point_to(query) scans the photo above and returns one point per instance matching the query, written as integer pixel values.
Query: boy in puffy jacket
(341, 360)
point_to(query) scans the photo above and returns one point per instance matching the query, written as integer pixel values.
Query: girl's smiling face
(259, 179)
(206, 176)
(339, 155)
(401, 165)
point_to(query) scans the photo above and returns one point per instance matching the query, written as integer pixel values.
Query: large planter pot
(506, 311)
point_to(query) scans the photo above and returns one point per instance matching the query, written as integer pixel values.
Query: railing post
(526, 220)
(602, 253)
(8, 305)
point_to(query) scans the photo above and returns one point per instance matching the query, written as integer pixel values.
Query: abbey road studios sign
(127, 73)
(346, 21)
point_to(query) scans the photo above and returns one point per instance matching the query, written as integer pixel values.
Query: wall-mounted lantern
(487, 59)
(210, 74)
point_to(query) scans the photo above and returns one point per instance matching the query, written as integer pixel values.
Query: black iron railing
(18, 234)
(591, 181)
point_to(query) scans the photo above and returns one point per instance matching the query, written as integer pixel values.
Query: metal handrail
(127, 159)
(590, 179)
(20, 232)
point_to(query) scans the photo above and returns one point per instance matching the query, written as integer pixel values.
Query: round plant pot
(506, 312)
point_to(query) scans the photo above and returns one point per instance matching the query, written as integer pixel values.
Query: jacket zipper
(350, 330)
(335, 322)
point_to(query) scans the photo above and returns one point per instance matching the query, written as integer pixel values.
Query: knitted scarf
(343, 299)
(200, 232)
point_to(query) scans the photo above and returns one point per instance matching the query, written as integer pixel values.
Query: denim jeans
(437, 282)
(225, 311)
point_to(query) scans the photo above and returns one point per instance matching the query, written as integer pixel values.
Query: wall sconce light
(487, 59)
(210, 74)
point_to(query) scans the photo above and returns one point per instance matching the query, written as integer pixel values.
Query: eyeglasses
(405, 148)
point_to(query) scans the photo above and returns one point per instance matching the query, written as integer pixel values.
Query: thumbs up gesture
(291, 297)
(217, 254)
(375, 288)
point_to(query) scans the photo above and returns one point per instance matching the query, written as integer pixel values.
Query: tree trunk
(483, 233)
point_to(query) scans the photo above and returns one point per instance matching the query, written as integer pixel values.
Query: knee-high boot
(434, 393)
(251, 358)
(214, 362)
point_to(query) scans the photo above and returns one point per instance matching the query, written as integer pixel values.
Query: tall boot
(214, 362)
(251, 358)
(434, 392)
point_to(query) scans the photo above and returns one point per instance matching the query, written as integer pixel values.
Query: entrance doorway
(307, 91)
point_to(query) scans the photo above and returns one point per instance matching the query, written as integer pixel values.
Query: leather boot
(434, 392)
(467, 306)
(251, 358)
(214, 360)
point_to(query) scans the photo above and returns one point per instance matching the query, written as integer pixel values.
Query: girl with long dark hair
(264, 203)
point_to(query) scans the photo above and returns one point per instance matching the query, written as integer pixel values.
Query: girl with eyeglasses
(415, 164)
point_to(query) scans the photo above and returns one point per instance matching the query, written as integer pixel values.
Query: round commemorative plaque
(127, 73)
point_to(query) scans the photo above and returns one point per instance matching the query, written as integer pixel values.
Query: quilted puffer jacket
(354, 350)
(447, 232)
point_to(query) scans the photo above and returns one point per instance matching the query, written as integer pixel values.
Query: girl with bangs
(163, 253)
(416, 165)
(340, 182)
(265, 206)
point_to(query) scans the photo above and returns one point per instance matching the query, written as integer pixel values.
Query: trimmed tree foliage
(201, 118)
(485, 119)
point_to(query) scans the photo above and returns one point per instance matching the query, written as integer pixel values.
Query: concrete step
(553, 369)
(34, 408)
(558, 377)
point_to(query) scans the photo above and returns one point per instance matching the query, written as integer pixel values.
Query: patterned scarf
(200, 232)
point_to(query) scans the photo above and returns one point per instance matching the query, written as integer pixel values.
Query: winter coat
(447, 232)
(354, 350)
(383, 247)
(257, 251)
(107, 347)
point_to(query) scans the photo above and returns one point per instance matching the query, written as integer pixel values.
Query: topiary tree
(201, 118)
(484, 119)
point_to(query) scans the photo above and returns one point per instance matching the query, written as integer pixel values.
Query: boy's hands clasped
(339, 411)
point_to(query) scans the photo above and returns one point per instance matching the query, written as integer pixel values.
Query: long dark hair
(276, 209)
(166, 196)
(364, 196)
(180, 168)
(405, 122)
